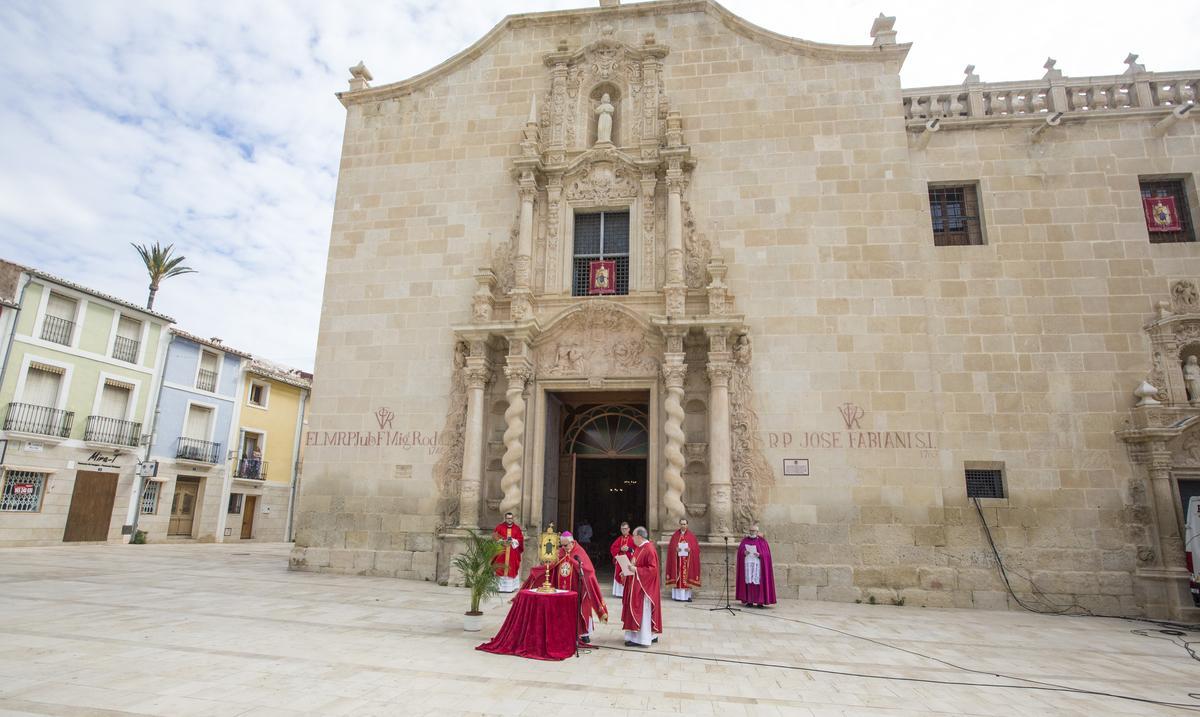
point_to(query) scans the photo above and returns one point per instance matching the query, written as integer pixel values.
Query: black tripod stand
(726, 606)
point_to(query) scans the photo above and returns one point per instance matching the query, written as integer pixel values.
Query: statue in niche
(604, 120)
(1191, 377)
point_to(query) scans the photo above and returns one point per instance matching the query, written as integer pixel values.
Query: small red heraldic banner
(1161, 215)
(602, 277)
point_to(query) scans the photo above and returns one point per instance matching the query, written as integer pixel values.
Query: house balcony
(206, 380)
(251, 469)
(105, 432)
(57, 330)
(125, 349)
(43, 423)
(197, 452)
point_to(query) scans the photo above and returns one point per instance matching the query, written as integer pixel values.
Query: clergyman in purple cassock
(755, 574)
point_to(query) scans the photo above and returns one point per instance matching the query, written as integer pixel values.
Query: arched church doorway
(603, 468)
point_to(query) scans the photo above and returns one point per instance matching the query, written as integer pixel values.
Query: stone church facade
(651, 262)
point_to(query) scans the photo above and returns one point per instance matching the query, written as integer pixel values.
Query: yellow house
(270, 426)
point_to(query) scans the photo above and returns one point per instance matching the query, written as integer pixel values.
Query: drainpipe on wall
(296, 467)
(138, 481)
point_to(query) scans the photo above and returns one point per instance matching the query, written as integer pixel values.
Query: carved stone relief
(447, 472)
(752, 475)
(598, 339)
(697, 250)
(1185, 299)
(600, 183)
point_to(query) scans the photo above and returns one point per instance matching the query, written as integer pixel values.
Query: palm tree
(160, 265)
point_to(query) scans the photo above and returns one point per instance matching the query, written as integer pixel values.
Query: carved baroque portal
(605, 139)
(1174, 338)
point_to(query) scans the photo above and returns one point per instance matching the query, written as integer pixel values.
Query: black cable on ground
(1080, 610)
(923, 680)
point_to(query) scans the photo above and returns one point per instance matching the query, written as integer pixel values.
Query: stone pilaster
(720, 443)
(477, 374)
(675, 289)
(1170, 542)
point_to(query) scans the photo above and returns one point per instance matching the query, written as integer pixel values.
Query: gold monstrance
(547, 554)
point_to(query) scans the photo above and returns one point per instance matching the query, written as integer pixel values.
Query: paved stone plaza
(227, 630)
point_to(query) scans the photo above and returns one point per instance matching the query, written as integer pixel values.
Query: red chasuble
(641, 586)
(508, 562)
(623, 545)
(565, 576)
(683, 572)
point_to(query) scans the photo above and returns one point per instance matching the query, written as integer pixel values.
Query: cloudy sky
(212, 125)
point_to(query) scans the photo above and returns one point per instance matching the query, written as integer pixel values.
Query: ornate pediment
(602, 178)
(600, 339)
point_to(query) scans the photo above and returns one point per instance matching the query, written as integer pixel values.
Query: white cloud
(213, 126)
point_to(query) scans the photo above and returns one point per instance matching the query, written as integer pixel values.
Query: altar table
(540, 626)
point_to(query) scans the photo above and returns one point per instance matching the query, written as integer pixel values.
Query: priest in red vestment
(508, 562)
(641, 605)
(623, 545)
(565, 575)
(755, 574)
(683, 563)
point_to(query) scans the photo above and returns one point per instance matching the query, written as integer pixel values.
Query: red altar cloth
(539, 625)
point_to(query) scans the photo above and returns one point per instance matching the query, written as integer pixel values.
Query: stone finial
(609, 3)
(882, 30)
(1134, 67)
(533, 116)
(1051, 72)
(360, 77)
(1146, 394)
(971, 76)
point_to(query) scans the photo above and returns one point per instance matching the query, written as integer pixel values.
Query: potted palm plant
(479, 574)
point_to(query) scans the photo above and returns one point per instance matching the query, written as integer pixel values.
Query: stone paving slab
(110, 631)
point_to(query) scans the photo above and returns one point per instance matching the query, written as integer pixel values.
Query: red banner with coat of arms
(1161, 215)
(602, 277)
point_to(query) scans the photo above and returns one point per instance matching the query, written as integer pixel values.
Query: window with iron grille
(954, 212)
(150, 493)
(1174, 189)
(985, 482)
(22, 492)
(235, 503)
(603, 235)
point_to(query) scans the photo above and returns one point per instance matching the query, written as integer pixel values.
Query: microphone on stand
(580, 620)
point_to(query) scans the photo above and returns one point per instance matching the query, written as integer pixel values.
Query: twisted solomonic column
(673, 375)
(514, 431)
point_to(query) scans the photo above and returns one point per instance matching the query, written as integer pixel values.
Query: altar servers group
(638, 585)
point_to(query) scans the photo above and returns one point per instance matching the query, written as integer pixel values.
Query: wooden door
(183, 507)
(248, 517)
(91, 506)
(566, 493)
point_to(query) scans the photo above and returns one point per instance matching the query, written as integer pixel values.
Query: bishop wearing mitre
(566, 575)
(623, 545)
(508, 562)
(683, 563)
(755, 574)
(641, 604)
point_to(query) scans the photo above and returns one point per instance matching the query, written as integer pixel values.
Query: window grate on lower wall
(985, 482)
(22, 491)
(150, 498)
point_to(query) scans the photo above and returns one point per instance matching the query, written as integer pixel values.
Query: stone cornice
(666, 7)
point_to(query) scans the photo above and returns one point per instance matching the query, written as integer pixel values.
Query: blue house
(195, 439)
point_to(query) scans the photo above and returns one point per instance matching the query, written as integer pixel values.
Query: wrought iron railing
(252, 469)
(102, 429)
(125, 349)
(57, 330)
(42, 420)
(194, 449)
(206, 380)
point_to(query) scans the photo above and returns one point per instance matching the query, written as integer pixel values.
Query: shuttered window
(199, 420)
(114, 400)
(42, 385)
